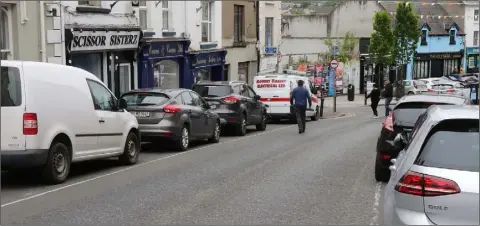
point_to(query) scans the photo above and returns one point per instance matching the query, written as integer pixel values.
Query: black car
(176, 115)
(401, 121)
(236, 103)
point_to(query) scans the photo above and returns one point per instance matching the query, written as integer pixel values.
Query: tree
(347, 47)
(406, 35)
(382, 39)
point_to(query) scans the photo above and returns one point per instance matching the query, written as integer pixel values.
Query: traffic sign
(334, 64)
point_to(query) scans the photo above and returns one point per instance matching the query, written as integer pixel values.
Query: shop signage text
(165, 50)
(208, 59)
(473, 50)
(438, 56)
(104, 40)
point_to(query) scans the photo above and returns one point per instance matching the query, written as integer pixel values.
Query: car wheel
(184, 141)
(131, 150)
(242, 127)
(262, 126)
(216, 133)
(381, 174)
(58, 164)
(410, 93)
(316, 116)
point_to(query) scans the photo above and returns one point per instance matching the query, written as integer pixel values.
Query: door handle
(101, 121)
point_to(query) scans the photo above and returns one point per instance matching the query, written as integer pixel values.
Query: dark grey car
(177, 115)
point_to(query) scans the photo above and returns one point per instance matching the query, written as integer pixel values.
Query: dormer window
(424, 38)
(452, 37)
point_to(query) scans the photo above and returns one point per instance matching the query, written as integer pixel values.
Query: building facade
(270, 35)
(472, 27)
(239, 38)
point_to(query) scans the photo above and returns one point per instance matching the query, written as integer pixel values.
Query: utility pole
(335, 48)
(257, 19)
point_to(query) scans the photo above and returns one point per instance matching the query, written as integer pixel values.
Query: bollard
(365, 99)
(321, 106)
(335, 103)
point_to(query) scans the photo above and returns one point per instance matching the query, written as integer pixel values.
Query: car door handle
(101, 121)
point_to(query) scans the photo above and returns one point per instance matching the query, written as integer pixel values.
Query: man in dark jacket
(388, 95)
(375, 98)
(301, 96)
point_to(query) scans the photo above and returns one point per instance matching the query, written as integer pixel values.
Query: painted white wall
(121, 14)
(270, 9)
(470, 24)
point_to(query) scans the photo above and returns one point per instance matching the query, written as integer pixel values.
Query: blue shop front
(164, 63)
(207, 65)
(472, 59)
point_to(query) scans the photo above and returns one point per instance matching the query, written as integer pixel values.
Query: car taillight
(425, 185)
(451, 91)
(388, 123)
(230, 100)
(431, 91)
(30, 124)
(171, 109)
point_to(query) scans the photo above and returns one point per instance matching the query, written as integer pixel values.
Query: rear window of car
(408, 83)
(442, 86)
(212, 91)
(452, 144)
(145, 99)
(11, 87)
(408, 112)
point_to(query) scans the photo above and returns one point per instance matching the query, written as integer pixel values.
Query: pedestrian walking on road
(374, 98)
(298, 100)
(388, 95)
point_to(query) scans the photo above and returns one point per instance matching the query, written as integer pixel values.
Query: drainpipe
(257, 19)
(43, 49)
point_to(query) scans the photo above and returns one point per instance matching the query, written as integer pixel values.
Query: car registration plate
(141, 114)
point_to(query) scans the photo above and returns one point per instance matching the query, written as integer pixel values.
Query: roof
(437, 26)
(445, 112)
(436, 98)
(219, 83)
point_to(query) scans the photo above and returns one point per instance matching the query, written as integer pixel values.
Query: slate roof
(438, 26)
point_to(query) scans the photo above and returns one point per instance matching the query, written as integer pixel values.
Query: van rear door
(275, 92)
(13, 107)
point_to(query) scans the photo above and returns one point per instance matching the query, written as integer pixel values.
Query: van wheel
(262, 126)
(182, 143)
(216, 133)
(316, 116)
(131, 150)
(58, 164)
(241, 129)
(381, 174)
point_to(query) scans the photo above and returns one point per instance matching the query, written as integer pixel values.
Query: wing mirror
(122, 104)
(399, 142)
(256, 97)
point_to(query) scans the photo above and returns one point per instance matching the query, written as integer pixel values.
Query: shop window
(452, 37)
(90, 3)
(207, 21)
(226, 68)
(421, 69)
(6, 32)
(475, 15)
(166, 74)
(239, 23)
(450, 67)
(142, 14)
(243, 71)
(91, 62)
(124, 78)
(475, 38)
(204, 74)
(165, 16)
(424, 38)
(269, 32)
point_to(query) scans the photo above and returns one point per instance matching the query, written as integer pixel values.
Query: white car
(434, 81)
(53, 115)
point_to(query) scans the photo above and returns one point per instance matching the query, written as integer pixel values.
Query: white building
(472, 27)
(270, 34)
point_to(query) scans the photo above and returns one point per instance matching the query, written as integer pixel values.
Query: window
(225, 72)
(452, 37)
(197, 100)
(90, 3)
(5, 32)
(177, 100)
(421, 69)
(450, 66)
(243, 71)
(102, 98)
(187, 99)
(239, 23)
(269, 32)
(424, 38)
(142, 14)
(236, 89)
(212, 91)
(145, 99)
(475, 38)
(11, 87)
(165, 16)
(166, 74)
(206, 21)
(91, 62)
(204, 74)
(244, 91)
(251, 93)
(475, 15)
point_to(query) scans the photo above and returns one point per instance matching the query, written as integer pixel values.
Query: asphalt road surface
(324, 176)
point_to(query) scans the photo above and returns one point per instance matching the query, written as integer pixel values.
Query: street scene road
(324, 176)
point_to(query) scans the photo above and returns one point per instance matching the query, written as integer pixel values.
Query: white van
(275, 90)
(53, 115)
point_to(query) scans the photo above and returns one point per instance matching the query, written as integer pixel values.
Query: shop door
(436, 68)
(122, 79)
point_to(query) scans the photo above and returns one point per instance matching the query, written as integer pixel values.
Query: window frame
(208, 22)
(7, 9)
(113, 109)
(475, 38)
(423, 38)
(143, 7)
(269, 41)
(475, 15)
(238, 23)
(452, 35)
(168, 11)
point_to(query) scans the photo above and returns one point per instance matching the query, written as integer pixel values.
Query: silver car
(435, 179)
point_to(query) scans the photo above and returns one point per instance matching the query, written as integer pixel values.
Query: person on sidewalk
(388, 95)
(374, 96)
(298, 100)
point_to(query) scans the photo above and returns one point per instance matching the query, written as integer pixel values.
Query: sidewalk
(342, 102)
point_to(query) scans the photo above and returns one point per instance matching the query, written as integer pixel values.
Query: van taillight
(388, 123)
(418, 184)
(30, 124)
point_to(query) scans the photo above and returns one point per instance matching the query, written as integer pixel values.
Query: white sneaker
(375, 116)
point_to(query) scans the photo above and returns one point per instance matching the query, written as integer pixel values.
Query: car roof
(445, 112)
(437, 98)
(219, 83)
(169, 92)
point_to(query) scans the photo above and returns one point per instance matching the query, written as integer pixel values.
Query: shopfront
(109, 54)
(431, 65)
(472, 59)
(163, 63)
(206, 66)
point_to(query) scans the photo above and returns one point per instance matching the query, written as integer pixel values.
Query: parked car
(175, 115)
(401, 121)
(455, 88)
(413, 87)
(54, 115)
(236, 103)
(435, 179)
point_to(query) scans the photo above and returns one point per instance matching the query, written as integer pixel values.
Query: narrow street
(324, 176)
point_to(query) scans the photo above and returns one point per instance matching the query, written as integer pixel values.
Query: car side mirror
(122, 104)
(256, 97)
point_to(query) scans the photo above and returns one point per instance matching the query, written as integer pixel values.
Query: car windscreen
(11, 87)
(145, 99)
(452, 144)
(407, 113)
(212, 90)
